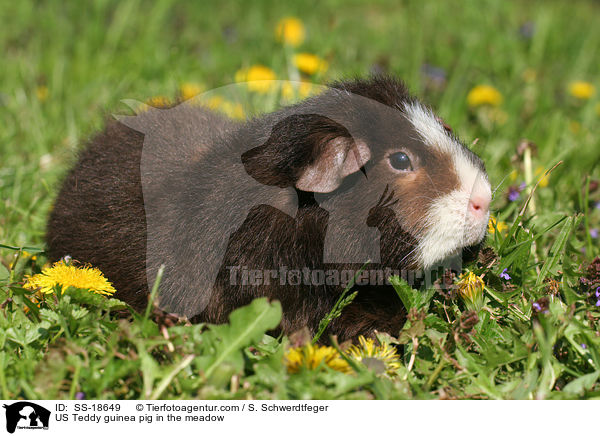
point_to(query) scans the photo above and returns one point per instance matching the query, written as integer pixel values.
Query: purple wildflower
(527, 30)
(513, 194)
(522, 186)
(80, 396)
(594, 233)
(584, 346)
(504, 274)
(597, 205)
(542, 305)
(598, 292)
(436, 76)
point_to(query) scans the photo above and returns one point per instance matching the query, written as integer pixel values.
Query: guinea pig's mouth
(454, 235)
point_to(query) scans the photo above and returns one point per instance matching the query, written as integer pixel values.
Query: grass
(66, 66)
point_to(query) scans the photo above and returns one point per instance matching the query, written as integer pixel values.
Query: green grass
(91, 56)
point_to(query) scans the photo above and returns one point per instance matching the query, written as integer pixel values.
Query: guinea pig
(289, 205)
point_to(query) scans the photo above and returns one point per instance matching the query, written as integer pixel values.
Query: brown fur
(201, 163)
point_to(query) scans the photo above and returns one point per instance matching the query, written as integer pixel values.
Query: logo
(26, 415)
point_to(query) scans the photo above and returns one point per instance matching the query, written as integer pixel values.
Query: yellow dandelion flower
(259, 78)
(314, 356)
(384, 353)
(513, 175)
(28, 254)
(159, 101)
(190, 90)
(484, 95)
(310, 63)
(544, 179)
(494, 224)
(65, 276)
(290, 30)
(582, 90)
(470, 288)
(41, 92)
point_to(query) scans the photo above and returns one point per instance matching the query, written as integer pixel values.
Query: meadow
(518, 81)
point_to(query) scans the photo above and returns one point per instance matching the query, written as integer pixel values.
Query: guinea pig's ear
(338, 158)
(308, 151)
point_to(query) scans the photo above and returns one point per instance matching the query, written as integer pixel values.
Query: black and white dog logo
(26, 415)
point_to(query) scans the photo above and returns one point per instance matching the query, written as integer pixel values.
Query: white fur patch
(430, 129)
(449, 226)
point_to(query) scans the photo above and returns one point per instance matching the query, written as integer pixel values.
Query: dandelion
(315, 356)
(290, 31)
(260, 78)
(367, 352)
(310, 63)
(63, 275)
(470, 288)
(494, 225)
(582, 90)
(41, 92)
(504, 274)
(484, 95)
(190, 90)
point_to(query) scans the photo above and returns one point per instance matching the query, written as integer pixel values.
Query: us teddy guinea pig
(288, 205)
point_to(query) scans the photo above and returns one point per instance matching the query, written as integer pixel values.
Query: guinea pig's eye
(400, 161)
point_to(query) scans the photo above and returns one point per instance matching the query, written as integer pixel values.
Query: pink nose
(479, 205)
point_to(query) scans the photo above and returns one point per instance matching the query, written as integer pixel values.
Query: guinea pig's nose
(479, 205)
